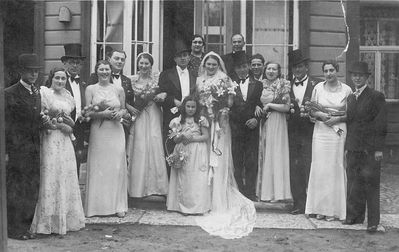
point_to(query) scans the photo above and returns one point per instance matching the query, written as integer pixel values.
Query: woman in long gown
(326, 195)
(232, 215)
(189, 190)
(146, 159)
(59, 208)
(106, 187)
(274, 165)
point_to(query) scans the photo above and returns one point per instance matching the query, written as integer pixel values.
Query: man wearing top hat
(22, 118)
(300, 129)
(244, 126)
(73, 62)
(175, 84)
(367, 127)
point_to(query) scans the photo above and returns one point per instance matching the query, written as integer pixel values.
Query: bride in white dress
(232, 215)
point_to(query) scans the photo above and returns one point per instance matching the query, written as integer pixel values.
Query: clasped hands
(328, 119)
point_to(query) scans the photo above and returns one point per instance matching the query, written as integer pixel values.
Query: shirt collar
(360, 90)
(26, 85)
(301, 80)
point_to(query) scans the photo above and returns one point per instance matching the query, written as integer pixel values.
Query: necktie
(75, 79)
(115, 76)
(297, 83)
(357, 93)
(34, 89)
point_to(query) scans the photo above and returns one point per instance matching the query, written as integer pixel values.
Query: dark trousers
(363, 174)
(300, 161)
(244, 147)
(79, 131)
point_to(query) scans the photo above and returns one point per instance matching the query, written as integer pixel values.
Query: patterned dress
(59, 208)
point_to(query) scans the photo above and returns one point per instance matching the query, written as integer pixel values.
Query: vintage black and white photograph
(199, 125)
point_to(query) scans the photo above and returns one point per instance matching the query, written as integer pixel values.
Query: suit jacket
(169, 82)
(82, 87)
(300, 129)
(242, 111)
(229, 64)
(366, 121)
(23, 120)
(126, 85)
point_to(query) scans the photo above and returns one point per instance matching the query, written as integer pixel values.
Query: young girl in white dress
(189, 190)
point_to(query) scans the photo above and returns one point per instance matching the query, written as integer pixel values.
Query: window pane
(215, 13)
(215, 43)
(134, 57)
(390, 75)
(389, 32)
(369, 57)
(368, 33)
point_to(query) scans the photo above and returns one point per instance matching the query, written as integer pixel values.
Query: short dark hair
(332, 62)
(278, 68)
(51, 75)
(116, 50)
(257, 56)
(198, 36)
(104, 62)
(239, 34)
(145, 56)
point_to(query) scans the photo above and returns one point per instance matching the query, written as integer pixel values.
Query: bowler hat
(296, 57)
(239, 58)
(360, 67)
(72, 51)
(181, 47)
(29, 61)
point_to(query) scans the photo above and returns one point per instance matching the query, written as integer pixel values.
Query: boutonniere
(313, 83)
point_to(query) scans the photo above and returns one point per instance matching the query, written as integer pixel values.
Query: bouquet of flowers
(179, 156)
(50, 117)
(281, 89)
(145, 93)
(215, 95)
(99, 107)
(312, 106)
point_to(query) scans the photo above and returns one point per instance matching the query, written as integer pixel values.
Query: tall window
(129, 25)
(379, 46)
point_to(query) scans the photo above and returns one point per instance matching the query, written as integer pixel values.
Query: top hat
(72, 51)
(239, 58)
(360, 67)
(181, 47)
(296, 57)
(29, 61)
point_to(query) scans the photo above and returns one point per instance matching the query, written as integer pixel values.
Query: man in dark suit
(22, 118)
(175, 84)
(367, 127)
(117, 59)
(238, 42)
(244, 126)
(300, 130)
(73, 62)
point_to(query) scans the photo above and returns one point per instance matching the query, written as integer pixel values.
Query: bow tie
(242, 81)
(75, 79)
(297, 83)
(115, 76)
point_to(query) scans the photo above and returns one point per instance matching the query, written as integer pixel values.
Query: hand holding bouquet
(179, 156)
(54, 119)
(146, 93)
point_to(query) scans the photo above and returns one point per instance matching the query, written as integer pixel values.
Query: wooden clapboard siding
(56, 34)
(393, 124)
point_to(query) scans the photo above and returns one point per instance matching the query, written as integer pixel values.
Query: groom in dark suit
(367, 127)
(300, 130)
(73, 62)
(175, 84)
(22, 119)
(244, 126)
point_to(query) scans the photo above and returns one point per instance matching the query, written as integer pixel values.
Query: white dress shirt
(76, 96)
(244, 89)
(117, 81)
(299, 91)
(184, 78)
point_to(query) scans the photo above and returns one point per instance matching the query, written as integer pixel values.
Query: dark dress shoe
(297, 211)
(351, 222)
(372, 229)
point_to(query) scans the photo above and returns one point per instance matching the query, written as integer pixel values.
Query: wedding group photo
(202, 118)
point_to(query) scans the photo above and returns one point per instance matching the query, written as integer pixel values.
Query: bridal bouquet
(99, 107)
(215, 95)
(312, 106)
(50, 117)
(178, 158)
(144, 94)
(281, 89)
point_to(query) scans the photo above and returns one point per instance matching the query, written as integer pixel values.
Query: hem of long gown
(57, 232)
(147, 195)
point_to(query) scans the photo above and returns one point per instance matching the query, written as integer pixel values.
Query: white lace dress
(59, 208)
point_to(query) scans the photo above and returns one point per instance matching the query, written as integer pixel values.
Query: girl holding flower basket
(189, 190)
(106, 186)
(326, 197)
(147, 172)
(274, 165)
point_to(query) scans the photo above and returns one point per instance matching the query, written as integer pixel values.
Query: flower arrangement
(312, 106)
(281, 89)
(178, 158)
(144, 94)
(50, 117)
(215, 94)
(99, 107)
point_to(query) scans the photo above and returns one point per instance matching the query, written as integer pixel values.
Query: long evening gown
(147, 172)
(232, 214)
(59, 208)
(327, 182)
(274, 164)
(106, 187)
(189, 190)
